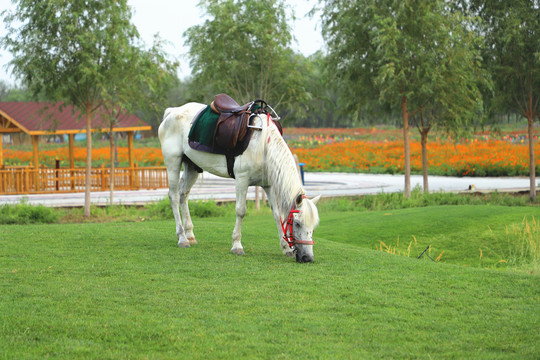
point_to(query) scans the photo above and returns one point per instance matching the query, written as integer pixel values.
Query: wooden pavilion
(44, 119)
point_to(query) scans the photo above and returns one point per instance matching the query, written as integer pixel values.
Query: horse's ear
(299, 199)
(316, 199)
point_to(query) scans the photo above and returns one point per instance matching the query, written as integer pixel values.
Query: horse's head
(302, 221)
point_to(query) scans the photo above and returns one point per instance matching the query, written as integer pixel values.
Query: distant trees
(17, 93)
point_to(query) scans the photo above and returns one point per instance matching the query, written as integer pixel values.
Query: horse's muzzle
(304, 258)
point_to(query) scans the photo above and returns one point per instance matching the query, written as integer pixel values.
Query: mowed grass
(124, 290)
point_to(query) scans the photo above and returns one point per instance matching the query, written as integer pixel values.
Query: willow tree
(454, 99)
(140, 85)
(391, 51)
(74, 52)
(243, 49)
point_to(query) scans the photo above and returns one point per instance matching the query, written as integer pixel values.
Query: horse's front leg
(241, 194)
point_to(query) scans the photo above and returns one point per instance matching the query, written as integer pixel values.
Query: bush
(391, 201)
(162, 209)
(27, 214)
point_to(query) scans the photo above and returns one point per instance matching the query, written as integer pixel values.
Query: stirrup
(251, 126)
(277, 118)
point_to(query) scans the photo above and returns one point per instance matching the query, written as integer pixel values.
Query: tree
(455, 99)
(140, 84)
(73, 52)
(243, 50)
(391, 51)
(512, 54)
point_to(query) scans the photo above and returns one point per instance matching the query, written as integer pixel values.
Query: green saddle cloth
(204, 127)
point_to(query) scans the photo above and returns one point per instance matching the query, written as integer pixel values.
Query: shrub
(24, 213)
(390, 201)
(162, 209)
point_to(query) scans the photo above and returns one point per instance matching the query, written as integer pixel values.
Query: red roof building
(41, 118)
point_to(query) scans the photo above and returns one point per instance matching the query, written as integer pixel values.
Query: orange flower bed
(490, 158)
(342, 150)
(142, 156)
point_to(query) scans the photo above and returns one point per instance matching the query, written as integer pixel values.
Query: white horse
(266, 162)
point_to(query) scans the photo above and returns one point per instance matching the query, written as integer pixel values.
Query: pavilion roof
(41, 118)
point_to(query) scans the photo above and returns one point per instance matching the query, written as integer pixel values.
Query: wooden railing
(29, 180)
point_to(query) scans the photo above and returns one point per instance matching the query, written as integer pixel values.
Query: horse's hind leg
(189, 177)
(241, 193)
(173, 172)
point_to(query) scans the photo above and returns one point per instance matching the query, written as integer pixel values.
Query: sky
(171, 18)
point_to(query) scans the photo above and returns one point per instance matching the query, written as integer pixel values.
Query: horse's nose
(304, 258)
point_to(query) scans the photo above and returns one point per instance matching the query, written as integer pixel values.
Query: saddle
(232, 125)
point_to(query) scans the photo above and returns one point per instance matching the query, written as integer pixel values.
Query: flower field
(367, 150)
(146, 156)
(479, 158)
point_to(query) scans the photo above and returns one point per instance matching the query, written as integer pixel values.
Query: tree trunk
(532, 162)
(424, 134)
(111, 138)
(88, 181)
(405, 114)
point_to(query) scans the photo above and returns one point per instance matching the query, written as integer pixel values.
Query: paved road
(327, 184)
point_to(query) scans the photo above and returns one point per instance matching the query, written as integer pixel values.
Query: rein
(287, 227)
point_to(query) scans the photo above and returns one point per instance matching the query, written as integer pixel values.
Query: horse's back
(175, 127)
(176, 118)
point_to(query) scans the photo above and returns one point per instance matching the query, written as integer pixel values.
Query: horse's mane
(284, 178)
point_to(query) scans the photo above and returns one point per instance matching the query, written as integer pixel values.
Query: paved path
(327, 184)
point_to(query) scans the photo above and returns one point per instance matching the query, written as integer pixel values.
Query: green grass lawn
(124, 290)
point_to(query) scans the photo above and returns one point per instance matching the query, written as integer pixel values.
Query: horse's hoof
(192, 241)
(183, 244)
(238, 251)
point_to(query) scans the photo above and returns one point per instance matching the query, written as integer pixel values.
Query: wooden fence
(29, 180)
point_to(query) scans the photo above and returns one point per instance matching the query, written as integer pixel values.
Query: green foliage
(511, 30)
(421, 50)
(27, 214)
(243, 49)
(69, 50)
(203, 209)
(393, 201)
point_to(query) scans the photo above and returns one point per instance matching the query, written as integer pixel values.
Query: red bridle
(288, 234)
